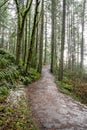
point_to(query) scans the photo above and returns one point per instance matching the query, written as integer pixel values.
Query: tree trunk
(25, 48)
(31, 47)
(22, 13)
(82, 43)
(62, 43)
(52, 36)
(19, 44)
(41, 41)
(45, 52)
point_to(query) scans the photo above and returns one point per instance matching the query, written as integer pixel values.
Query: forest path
(53, 110)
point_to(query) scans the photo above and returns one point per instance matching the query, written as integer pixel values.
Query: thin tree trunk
(45, 53)
(31, 47)
(82, 43)
(52, 36)
(41, 41)
(25, 48)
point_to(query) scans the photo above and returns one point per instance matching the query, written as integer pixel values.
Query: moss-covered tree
(21, 17)
(32, 40)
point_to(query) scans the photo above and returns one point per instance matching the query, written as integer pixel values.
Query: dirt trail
(52, 109)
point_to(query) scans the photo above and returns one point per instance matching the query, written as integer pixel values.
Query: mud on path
(53, 110)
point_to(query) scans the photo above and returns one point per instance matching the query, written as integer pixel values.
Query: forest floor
(53, 110)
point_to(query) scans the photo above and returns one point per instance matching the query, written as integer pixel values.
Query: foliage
(4, 91)
(16, 117)
(8, 69)
(65, 88)
(6, 55)
(74, 74)
(26, 80)
(10, 73)
(32, 75)
(74, 84)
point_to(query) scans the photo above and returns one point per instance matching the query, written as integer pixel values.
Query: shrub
(6, 55)
(8, 68)
(26, 80)
(9, 74)
(34, 74)
(4, 91)
(4, 63)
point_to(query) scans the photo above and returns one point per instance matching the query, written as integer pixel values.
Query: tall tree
(31, 47)
(22, 13)
(62, 43)
(52, 34)
(41, 40)
(45, 51)
(82, 43)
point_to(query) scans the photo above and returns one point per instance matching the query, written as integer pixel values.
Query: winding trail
(53, 110)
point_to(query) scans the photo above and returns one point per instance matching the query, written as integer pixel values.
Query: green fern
(4, 63)
(4, 91)
(6, 55)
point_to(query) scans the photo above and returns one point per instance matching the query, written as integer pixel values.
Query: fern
(10, 74)
(6, 55)
(4, 91)
(4, 63)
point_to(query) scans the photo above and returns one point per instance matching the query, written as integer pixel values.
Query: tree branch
(28, 6)
(17, 6)
(4, 3)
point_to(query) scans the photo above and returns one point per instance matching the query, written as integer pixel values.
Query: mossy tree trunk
(25, 45)
(22, 13)
(31, 47)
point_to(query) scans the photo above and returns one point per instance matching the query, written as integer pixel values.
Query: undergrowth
(74, 84)
(16, 117)
(11, 75)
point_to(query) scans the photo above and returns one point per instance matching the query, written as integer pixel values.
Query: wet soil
(53, 110)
